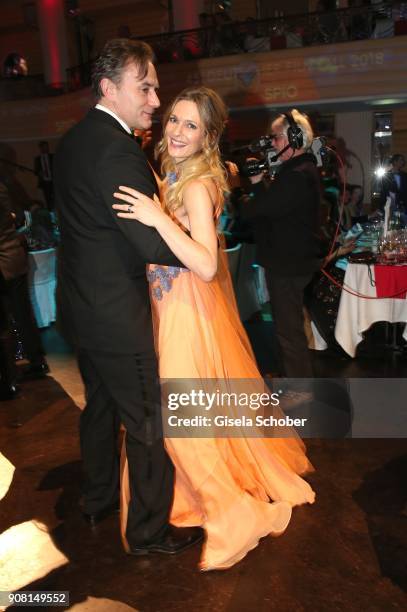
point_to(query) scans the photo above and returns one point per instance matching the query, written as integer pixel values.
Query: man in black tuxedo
(43, 168)
(395, 181)
(104, 298)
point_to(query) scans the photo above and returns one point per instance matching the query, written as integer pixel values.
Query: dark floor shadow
(46, 488)
(383, 498)
(97, 566)
(35, 397)
(262, 338)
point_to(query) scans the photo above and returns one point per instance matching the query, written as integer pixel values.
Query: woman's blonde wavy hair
(204, 164)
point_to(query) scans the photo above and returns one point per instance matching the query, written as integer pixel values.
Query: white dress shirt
(109, 112)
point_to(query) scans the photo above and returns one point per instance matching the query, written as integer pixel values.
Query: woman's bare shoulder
(202, 185)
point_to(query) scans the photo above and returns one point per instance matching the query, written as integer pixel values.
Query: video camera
(271, 158)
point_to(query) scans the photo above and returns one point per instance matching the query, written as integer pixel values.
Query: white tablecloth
(42, 282)
(356, 315)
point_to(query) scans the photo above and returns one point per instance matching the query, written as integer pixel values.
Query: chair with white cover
(246, 289)
(233, 255)
(42, 283)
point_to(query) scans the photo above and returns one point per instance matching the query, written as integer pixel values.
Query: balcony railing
(227, 38)
(253, 36)
(386, 19)
(22, 88)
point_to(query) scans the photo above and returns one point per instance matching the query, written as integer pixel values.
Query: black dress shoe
(36, 370)
(8, 392)
(175, 541)
(97, 517)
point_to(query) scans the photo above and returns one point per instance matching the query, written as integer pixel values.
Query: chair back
(234, 262)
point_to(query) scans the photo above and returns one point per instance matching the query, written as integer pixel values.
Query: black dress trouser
(48, 191)
(287, 301)
(124, 388)
(15, 303)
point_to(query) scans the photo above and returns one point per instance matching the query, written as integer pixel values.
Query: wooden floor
(346, 552)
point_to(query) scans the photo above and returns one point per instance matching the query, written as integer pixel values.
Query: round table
(357, 314)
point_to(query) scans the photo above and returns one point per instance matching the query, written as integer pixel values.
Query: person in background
(253, 42)
(356, 207)
(15, 66)
(228, 37)
(330, 25)
(43, 168)
(207, 35)
(353, 207)
(360, 26)
(41, 232)
(15, 305)
(285, 218)
(395, 181)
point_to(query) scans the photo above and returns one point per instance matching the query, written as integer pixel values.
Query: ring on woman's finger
(130, 208)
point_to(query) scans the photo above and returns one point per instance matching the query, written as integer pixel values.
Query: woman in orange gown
(222, 484)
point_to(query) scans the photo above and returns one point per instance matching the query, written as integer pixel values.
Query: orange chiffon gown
(238, 489)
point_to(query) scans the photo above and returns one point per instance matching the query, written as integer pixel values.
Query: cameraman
(285, 220)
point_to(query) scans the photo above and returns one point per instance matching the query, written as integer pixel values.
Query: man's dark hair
(114, 58)
(397, 157)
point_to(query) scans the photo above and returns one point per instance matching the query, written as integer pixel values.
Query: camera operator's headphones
(294, 132)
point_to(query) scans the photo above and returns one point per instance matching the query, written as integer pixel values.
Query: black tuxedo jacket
(103, 293)
(390, 185)
(13, 251)
(285, 218)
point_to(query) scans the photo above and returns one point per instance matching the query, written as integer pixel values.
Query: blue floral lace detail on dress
(171, 178)
(162, 278)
